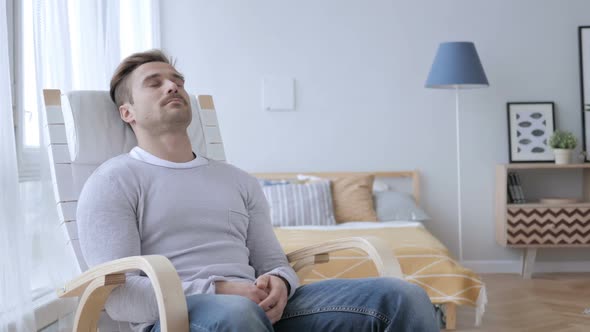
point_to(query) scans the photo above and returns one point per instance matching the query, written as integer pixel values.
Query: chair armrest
(377, 249)
(95, 285)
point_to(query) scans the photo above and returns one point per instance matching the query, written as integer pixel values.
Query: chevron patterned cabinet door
(548, 226)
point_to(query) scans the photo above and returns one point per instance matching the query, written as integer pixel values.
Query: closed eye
(156, 80)
(179, 82)
(154, 83)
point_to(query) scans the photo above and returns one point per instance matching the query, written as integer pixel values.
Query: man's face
(160, 103)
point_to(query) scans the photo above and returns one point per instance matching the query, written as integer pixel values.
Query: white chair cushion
(96, 133)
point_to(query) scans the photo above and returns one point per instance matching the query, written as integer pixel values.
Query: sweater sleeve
(266, 254)
(107, 230)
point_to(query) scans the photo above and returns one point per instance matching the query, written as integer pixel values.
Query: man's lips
(174, 100)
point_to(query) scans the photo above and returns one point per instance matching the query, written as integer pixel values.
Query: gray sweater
(210, 219)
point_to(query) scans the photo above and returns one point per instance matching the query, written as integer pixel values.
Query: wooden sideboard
(536, 225)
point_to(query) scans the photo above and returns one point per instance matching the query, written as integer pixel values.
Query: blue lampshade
(456, 65)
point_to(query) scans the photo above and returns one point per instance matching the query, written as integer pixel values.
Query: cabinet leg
(528, 262)
(451, 314)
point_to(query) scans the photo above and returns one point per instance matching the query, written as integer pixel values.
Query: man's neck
(172, 147)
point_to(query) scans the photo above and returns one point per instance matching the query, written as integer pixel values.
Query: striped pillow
(300, 204)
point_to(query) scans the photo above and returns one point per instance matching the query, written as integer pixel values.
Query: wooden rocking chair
(86, 130)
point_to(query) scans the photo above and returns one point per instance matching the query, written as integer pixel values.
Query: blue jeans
(371, 304)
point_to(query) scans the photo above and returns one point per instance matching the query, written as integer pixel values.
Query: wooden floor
(545, 303)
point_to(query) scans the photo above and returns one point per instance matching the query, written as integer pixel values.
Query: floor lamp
(457, 66)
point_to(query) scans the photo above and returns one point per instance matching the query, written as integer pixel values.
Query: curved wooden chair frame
(95, 285)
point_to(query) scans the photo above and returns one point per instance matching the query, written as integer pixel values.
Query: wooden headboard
(413, 175)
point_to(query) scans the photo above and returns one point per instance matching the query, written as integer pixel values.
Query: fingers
(277, 292)
(276, 312)
(275, 303)
(270, 301)
(257, 295)
(263, 281)
(261, 288)
(260, 294)
(245, 289)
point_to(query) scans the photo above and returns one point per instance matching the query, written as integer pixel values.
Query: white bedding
(360, 225)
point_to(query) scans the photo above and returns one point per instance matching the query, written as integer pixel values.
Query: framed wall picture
(584, 48)
(530, 124)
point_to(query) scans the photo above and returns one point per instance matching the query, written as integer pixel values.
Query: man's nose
(172, 87)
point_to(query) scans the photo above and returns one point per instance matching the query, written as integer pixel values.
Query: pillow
(308, 178)
(379, 185)
(395, 205)
(264, 182)
(294, 204)
(272, 182)
(353, 198)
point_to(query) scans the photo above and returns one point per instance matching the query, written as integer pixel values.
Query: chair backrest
(83, 129)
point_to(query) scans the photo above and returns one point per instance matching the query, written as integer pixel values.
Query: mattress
(424, 260)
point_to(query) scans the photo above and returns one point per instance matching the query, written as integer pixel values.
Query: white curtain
(16, 312)
(77, 45)
(95, 35)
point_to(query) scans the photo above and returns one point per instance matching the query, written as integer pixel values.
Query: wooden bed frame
(451, 308)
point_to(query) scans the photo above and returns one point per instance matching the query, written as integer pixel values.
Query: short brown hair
(120, 91)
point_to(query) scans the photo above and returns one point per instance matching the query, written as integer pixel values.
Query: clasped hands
(268, 291)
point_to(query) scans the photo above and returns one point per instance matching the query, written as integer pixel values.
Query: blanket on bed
(424, 260)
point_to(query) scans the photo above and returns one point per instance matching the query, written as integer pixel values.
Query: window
(131, 26)
(30, 120)
(136, 28)
(25, 92)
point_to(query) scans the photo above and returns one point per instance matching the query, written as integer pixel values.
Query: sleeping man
(212, 221)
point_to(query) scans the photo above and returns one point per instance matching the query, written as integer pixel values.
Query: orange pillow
(353, 198)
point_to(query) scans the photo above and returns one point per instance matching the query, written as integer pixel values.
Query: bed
(424, 260)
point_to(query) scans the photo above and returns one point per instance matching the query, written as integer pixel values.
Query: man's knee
(233, 313)
(412, 303)
(405, 293)
(241, 308)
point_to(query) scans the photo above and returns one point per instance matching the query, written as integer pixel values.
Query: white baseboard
(516, 266)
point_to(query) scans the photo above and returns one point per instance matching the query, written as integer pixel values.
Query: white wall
(360, 68)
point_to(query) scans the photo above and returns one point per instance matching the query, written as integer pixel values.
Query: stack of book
(515, 193)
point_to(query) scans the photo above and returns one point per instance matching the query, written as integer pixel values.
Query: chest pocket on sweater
(238, 225)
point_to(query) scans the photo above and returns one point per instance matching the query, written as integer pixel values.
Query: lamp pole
(459, 210)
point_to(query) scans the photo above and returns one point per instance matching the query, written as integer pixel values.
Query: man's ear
(127, 113)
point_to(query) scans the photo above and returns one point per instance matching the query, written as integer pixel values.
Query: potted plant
(563, 144)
